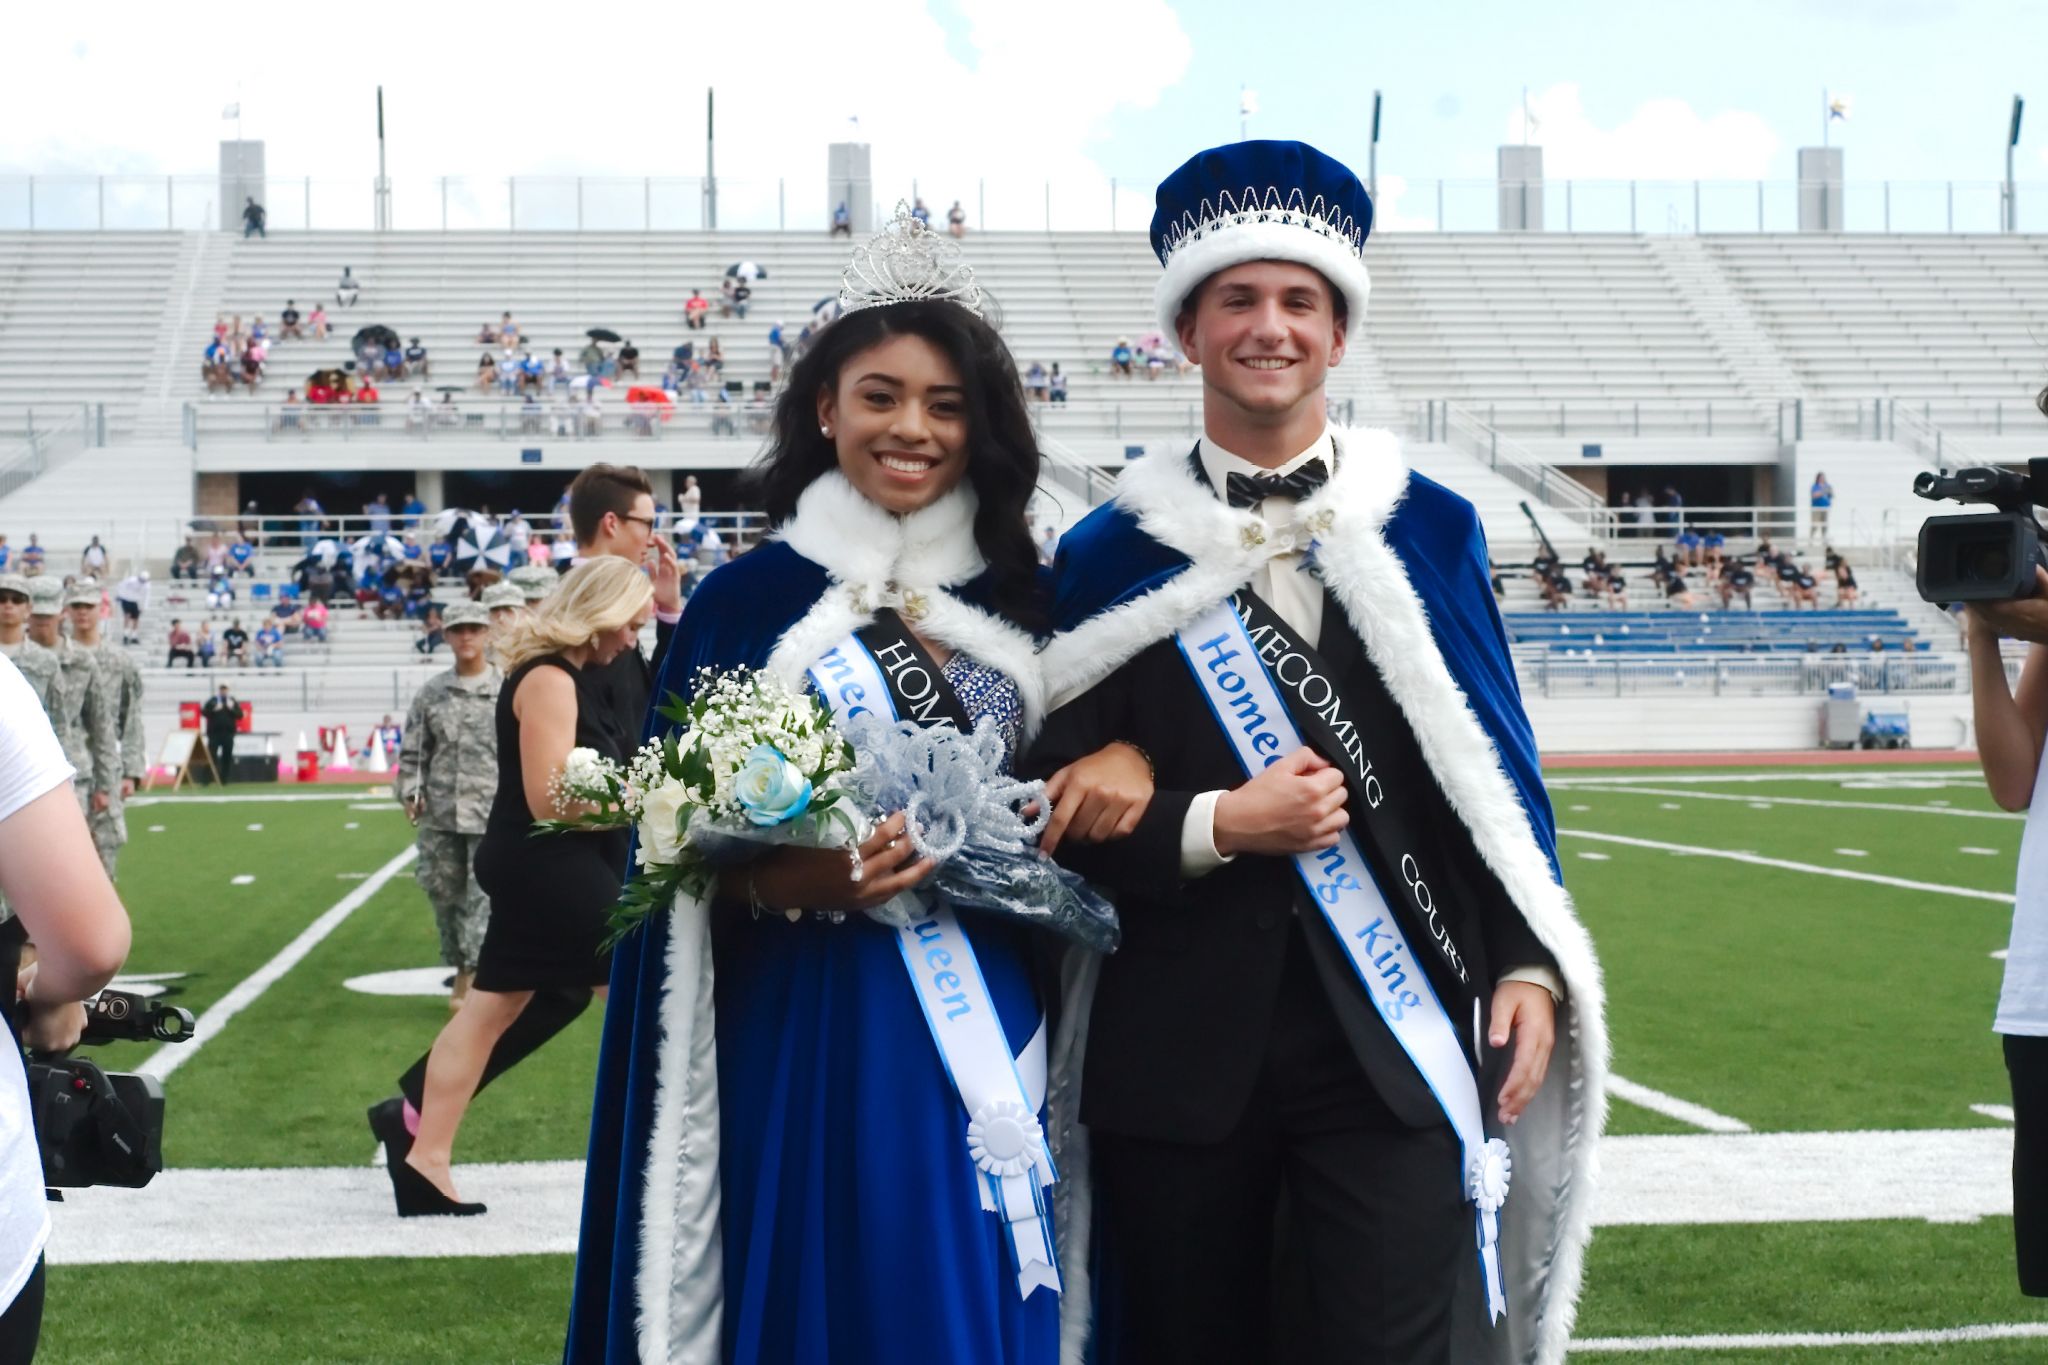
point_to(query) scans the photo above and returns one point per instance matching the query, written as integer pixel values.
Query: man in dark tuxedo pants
(1348, 965)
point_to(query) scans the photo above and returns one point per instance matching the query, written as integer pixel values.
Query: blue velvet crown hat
(1261, 201)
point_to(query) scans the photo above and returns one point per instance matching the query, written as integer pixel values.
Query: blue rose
(770, 788)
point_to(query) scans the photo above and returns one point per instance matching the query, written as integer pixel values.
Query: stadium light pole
(2012, 140)
(710, 159)
(383, 180)
(1372, 155)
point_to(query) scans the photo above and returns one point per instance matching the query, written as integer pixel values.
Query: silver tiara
(1269, 206)
(906, 262)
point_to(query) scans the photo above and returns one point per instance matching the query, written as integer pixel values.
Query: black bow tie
(1249, 490)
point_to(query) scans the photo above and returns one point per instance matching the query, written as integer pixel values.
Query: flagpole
(1824, 120)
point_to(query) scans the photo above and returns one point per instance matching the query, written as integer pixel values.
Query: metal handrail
(1516, 463)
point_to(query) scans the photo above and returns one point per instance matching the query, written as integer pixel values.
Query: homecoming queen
(804, 1189)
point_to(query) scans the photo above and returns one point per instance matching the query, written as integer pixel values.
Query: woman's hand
(1098, 798)
(821, 878)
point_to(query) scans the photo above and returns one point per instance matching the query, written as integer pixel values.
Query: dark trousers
(1363, 1217)
(548, 1013)
(21, 1326)
(2026, 1063)
(222, 751)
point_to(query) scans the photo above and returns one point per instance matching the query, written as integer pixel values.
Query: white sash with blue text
(1000, 1093)
(1233, 679)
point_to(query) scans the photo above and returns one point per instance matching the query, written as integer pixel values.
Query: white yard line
(238, 799)
(1954, 1175)
(1685, 1111)
(1758, 860)
(1766, 801)
(1835, 775)
(171, 1056)
(1790, 1341)
(2001, 1112)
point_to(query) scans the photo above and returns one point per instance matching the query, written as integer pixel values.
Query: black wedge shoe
(418, 1197)
(387, 1125)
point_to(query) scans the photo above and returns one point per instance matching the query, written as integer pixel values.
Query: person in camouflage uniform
(123, 681)
(37, 664)
(535, 581)
(506, 604)
(80, 703)
(447, 776)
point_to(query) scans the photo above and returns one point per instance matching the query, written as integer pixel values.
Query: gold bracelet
(1151, 771)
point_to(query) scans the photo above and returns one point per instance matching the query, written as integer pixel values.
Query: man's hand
(100, 802)
(2025, 619)
(668, 575)
(1098, 798)
(415, 806)
(1295, 806)
(127, 787)
(52, 1028)
(1525, 1012)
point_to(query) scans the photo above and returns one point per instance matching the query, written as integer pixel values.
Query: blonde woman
(550, 896)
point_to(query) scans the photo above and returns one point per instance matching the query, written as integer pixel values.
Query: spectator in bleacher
(291, 415)
(629, 359)
(921, 213)
(269, 646)
(714, 358)
(494, 333)
(1056, 384)
(220, 589)
(377, 512)
(366, 399)
(347, 291)
(559, 372)
(842, 221)
(242, 555)
(32, 555)
(185, 562)
(391, 362)
(204, 645)
(313, 516)
(415, 360)
(486, 373)
(288, 322)
(1739, 580)
(217, 371)
(533, 372)
(253, 218)
(314, 618)
(447, 413)
(1845, 584)
(1048, 544)
(235, 644)
(216, 557)
(591, 358)
(317, 321)
(181, 646)
(698, 383)
(1821, 496)
(589, 414)
(741, 299)
(690, 501)
(956, 220)
(417, 411)
(1035, 381)
(1674, 507)
(1805, 587)
(252, 365)
(133, 595)
(431, 632)
(5, 554)
(696, 310)
(93, 562)
(1120, 358)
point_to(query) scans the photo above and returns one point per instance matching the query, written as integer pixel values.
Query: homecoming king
(1354, 1030)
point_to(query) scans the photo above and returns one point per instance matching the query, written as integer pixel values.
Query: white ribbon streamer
(1234, 681)
(1001, 1094)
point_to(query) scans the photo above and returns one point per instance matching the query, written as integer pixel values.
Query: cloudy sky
(990, 101)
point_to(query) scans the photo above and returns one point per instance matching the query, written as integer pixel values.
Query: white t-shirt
(31, 764)
(2023, 1000)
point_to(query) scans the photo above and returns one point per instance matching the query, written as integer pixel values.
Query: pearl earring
(825, 432)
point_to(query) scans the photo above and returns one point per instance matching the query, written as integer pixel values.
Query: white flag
(1247, 101)
(232, 111)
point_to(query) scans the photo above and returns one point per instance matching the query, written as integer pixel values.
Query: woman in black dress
(550, 895)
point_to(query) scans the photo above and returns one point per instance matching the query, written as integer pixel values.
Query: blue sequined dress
(853, 1229)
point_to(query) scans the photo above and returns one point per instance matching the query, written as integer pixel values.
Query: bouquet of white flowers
(755, 764)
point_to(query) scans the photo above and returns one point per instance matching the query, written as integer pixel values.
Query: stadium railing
(598, 203)
(1550, 675)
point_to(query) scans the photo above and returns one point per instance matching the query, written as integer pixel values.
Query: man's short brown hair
(600, 489)
(1339, 304)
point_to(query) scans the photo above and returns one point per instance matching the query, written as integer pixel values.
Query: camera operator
(51, 873)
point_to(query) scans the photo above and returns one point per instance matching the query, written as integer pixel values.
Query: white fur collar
(1226, 546)
(876, 559)
(862, 544)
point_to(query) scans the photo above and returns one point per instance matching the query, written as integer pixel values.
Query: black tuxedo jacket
(1183, 1007)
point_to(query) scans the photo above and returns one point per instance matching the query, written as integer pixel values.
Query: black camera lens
(1988, 562)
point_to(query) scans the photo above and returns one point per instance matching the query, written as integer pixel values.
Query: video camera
(105, 1128)
(1982, 556)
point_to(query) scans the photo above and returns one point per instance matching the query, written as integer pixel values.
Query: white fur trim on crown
(1225, 246)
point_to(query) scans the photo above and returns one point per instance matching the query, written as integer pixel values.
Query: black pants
(21, 1326)
(222, 751)
(546, 1014)
(2026, 1063)
(1374, 1230)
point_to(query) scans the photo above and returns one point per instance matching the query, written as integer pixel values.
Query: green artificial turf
(1789, 1000)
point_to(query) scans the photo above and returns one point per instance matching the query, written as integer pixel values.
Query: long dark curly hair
(1002, 461)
